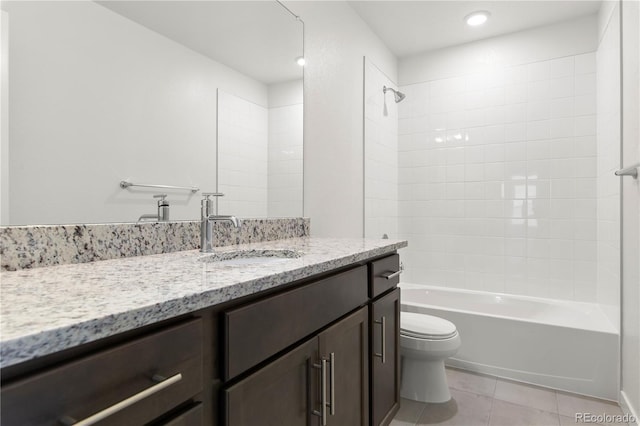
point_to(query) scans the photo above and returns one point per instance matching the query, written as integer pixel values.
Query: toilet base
(424, 380)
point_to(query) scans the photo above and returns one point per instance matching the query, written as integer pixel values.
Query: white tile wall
(285, 161)
(498, 180)
(242, 156)
(380, 156)
(608, 146)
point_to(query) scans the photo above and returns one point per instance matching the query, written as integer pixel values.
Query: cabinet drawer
(257, 331)
(191, 417)
(168, 364)
(379, 270)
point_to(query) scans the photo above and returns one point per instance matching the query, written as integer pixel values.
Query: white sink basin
(249, 257)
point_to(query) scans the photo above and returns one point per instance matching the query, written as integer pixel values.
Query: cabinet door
(278, 394)
(385, 358)
(346, 343)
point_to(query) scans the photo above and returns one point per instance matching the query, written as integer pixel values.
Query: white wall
(380, 155)
(75, 131)
(4, 118)
(336, 39)
(538, 44)
(608, 140)
(498, 167)
(631, 208)
(286, 94)
(243, 152)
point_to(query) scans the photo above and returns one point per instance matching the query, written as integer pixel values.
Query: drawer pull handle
(323, 373)
(383, 354)
(101, 415)
(332, 389)
(392, 275)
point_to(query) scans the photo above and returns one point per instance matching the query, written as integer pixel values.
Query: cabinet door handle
(332, 388)
(382, 321)
(101, 415)
(323, 390)
(392, 275)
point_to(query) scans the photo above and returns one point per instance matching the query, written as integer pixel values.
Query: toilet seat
(421, 326)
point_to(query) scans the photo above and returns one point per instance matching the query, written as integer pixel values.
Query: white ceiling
(257, 38)
(411, 27)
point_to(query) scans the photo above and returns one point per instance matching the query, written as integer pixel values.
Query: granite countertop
(46, 310)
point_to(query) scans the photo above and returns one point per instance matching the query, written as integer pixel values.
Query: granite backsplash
(23, 247)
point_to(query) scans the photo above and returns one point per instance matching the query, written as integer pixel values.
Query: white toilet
(425, 343)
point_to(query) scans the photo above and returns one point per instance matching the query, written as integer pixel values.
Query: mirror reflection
(203, 94)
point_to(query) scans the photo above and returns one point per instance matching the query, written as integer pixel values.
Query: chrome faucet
(208, 217)
(163, 210)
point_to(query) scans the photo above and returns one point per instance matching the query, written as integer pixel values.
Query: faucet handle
(207, 208)
(161, 199)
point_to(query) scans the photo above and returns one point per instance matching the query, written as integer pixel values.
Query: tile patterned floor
(480, 400)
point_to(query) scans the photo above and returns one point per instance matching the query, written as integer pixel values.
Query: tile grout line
(555, 394)
(491, 410)
(420, 415)
(526, 406)
(493, 398)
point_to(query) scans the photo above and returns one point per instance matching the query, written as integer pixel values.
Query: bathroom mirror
(149, 92)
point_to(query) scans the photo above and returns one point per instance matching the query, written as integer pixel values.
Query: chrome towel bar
(126, 184)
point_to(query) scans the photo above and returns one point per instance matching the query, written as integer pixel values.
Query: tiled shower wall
(259, 158)
(242, 156)
(285, 161)
(497, 179)
(380, 155)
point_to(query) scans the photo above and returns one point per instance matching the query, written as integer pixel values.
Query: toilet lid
(425, 326)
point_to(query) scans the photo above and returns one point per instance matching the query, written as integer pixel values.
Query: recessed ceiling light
(300, 61)
(477, 18)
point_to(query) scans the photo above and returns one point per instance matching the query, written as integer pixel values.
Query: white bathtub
(570, 346)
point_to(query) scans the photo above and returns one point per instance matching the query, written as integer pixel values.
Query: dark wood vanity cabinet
(330, 368)
(323, 381)
(310, 351)
(354, 363)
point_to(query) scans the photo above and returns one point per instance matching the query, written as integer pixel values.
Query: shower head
(398, 96)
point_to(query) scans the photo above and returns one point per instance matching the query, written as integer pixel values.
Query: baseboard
(627, 408)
